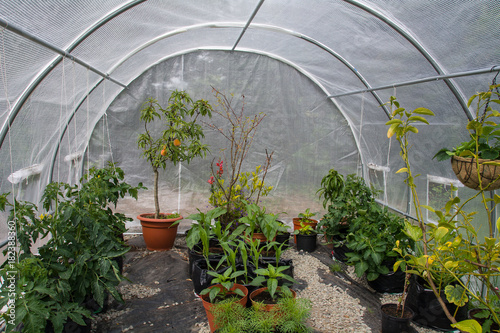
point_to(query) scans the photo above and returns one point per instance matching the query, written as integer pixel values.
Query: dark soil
(265, 297)
(393, 312)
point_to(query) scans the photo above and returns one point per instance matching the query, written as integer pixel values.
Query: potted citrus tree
(178, 141)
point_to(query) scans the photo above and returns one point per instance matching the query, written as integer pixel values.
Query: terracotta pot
(207, 305)
(465, 169)
(267, 307)
(296, 225)
(260, 236)
(159, 234)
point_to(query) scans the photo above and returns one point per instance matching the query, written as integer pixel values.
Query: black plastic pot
(284, 240)
(428, 311)
(264, 261)
(392, 323)
(196, 255)
(339, 250)
(392, 283)
(200, 277)
(306, 243)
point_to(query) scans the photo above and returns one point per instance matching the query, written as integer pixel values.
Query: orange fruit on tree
(177, 142)
(163, 152)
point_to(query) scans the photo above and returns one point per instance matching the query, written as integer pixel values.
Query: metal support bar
(248, 24)
(413, 41)
(48, 69)
(19, 31)
(423, 80)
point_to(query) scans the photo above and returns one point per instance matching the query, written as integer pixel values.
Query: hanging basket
(466, 171)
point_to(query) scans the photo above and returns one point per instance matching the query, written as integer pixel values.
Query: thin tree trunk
(155, 193)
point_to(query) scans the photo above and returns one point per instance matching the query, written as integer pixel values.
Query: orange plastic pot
(208, 306)
(297, 226)
(159, 234)
(266, 307)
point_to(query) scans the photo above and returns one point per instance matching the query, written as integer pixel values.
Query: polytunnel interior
(76, 74)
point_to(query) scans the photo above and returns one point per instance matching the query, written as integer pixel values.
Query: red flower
(211, 180)
(221, 169)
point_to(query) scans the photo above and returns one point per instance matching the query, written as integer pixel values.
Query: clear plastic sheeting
(75, 74)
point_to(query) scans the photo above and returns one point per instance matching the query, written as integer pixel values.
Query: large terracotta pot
(465, 169)
(296, 225)
(159, 234)
(208, 306)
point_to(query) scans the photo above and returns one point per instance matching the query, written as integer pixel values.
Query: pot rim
(142, 217)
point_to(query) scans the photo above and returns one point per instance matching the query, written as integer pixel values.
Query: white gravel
(333, 310)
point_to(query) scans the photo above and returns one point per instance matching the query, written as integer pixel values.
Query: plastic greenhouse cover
(62, 116)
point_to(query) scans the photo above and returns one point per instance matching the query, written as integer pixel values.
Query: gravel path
(333, 309)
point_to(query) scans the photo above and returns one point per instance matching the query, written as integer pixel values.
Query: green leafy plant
(484, 132)
(222, 285)
(270, 277)
(305, 229)
(180, 138)
(332, 185)
(201, 229)
(258, 221)
(40, 298)
(80, 258)
(371, 241)
(351, 201)
(307, 215)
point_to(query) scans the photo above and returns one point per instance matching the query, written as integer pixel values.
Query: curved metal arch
(270, 55)
(263, 27)
(48, 69)
(401, 31)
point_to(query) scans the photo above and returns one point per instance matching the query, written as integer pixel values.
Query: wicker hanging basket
(466, 171)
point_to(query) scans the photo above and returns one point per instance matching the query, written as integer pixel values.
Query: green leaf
(402, 170)
(360, 268)
(456, 295)
(412, 129)
(440, 233)
(469, 325)
(394, 121)
(413, 231)
(423, 111)
(419, 119)
(98, 292)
